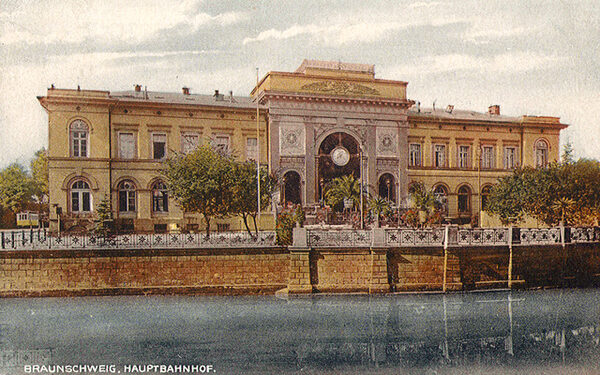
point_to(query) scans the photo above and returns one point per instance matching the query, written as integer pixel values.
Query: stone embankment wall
(299, 269)
(98, 272)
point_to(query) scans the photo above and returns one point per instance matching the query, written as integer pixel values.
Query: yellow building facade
(324, 120)
(111, 145)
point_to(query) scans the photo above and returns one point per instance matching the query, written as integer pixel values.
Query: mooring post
(446, 235)
(510, 255)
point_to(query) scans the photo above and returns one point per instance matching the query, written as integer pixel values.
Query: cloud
(346, 31)
(512, 62)
(421, 4)
(104, 21)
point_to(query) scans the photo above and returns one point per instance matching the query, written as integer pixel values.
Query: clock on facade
(340, 156)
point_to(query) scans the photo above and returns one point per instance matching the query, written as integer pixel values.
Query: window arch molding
(67, 182)
(135, 181)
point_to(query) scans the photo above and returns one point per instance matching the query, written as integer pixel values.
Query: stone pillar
(310, 164)
(299, 280)
(379, 272)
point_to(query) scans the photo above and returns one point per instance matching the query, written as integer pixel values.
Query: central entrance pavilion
(327, 118)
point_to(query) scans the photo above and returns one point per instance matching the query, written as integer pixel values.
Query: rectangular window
(189, 142)
(79, 144)
(123, 201)
(487, 157)
(221, 143)
(75, 202)
(414, 157)
(159, 146)
(439, 156)
(251, 149)
(126, 146)
(85, 200)
(464, 156)
(510, 157)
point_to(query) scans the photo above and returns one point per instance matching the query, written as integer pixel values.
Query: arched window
(386, 187)
(126, 196)
(81, 197)
(541, 153)
(485, 196)
(291, 187)
(160, 197)
(464, 200)
(79, 134)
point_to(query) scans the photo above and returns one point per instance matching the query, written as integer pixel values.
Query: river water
(531, 332)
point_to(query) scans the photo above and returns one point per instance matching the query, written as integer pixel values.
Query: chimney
(231, 96)
(138, 88)
(418, 107)
(186, 90)
(494, 109)
(449, 108)
(218, 97)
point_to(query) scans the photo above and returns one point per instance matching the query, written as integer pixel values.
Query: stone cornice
(301, 97)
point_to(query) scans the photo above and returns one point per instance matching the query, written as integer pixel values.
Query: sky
(530, 57)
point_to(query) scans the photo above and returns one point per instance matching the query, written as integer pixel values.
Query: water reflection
(506, 331)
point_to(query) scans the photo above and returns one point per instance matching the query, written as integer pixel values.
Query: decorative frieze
(291, 140)
(387, 142)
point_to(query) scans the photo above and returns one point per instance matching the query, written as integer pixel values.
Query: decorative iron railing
(39, 240)
(481, 236)
(533, 236)
(414, 237)
(339, 238)
(586, 234)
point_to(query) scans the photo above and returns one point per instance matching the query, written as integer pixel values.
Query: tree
(568, 155)
(15, 188)
(201, 182)
(39, 174)
(104, 217)
(244, 192)
(379, 206)
(341, 188)
(567, 192)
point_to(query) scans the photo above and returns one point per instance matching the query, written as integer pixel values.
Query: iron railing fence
(339, 238)
(414, 237)
(37, 240)
(483, 236)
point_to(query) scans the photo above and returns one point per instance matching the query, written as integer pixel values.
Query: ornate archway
(339, 155)
(387, 187)
(291, 188)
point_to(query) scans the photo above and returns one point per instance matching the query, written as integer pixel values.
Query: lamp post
(387, 183)
(362, 209)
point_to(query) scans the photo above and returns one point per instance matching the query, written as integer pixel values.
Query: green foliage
(286, 221)
(568, 154)
(16, 188)
(104, 218)
(39, 174)
(427, 209)
(340, 188)
(244, 191)
(378, 206)
(423, 198)
(201, 182)
(567, 192)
